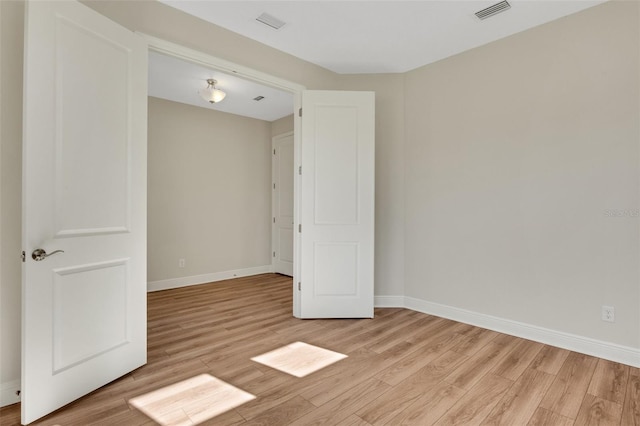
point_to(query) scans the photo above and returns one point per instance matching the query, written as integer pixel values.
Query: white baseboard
(611, 351)
(206, 278)
(8, 393)
(388, 301)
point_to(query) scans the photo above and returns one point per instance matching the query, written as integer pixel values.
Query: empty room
(320, 212)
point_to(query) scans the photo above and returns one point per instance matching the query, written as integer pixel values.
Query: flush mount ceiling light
(211, 94)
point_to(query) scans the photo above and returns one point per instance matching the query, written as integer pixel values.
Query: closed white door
(336, 228)
(282, 204)
(84, 192)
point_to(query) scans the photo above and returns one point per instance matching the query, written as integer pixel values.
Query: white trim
(388, 301)
(8, 393)
(611, 351)
(638, 259)
(274, 227)
(297, 202)
(201, 58)
(206, 278)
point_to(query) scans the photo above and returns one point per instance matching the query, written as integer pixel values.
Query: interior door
(84, 192)
(336, 228)
(282, 204)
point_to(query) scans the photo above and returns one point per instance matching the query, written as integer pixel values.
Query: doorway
(333, 196)
(188, 55)
(210, 174)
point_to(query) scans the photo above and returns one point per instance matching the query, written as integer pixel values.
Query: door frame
(218, 64)
(274, 199)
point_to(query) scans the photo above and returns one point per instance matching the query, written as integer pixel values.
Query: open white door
(84, 192)
(336, 228)
(282, 204)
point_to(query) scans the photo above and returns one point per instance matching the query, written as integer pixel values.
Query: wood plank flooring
(403, 368)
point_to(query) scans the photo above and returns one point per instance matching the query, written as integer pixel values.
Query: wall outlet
(182, 263)
(608, 313)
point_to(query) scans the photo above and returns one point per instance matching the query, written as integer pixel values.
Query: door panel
(96, 140)
(336, 165)
(283, 204)
(84, 192)
(337, 204)
(102, 289)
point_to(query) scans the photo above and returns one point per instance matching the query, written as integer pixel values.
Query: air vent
(493, 10)
(258, 98)
(271, 21)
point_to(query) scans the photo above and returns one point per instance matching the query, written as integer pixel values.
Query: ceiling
(343, 36)
(177, 80)
(377, 36)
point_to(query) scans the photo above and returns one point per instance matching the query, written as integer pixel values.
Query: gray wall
(283, 125)
(208, 191)
(516, 154)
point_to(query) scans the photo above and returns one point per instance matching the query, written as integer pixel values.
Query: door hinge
(274, 186)
(274, 220)
(299, 286)
(299, 170)
(299, 227)
(300, 112)
(23, 256)
(274, 151)
(274, 254)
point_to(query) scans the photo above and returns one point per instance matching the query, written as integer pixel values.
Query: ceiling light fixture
(211, 94)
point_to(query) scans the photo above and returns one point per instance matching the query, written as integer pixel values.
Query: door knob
(39, 254)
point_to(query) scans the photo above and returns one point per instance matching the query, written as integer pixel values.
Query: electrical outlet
(608, 313)
(181, 263)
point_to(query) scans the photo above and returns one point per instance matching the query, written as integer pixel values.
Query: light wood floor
(403, 367)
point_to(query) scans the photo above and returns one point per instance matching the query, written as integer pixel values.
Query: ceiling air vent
(493, 10)
(258, 98)
(271, 21)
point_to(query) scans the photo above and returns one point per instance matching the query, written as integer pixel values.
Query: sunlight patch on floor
(191, 401)
(299, 359)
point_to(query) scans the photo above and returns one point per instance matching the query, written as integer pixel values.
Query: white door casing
(84, 192)
(336, 228)
(282, 169)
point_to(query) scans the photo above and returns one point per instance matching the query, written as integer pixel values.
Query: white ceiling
(377, 36)
(343, 36)
(176, 80)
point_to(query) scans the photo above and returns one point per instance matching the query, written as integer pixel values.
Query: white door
(84, 192)
(282, 204)
(336, 228)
